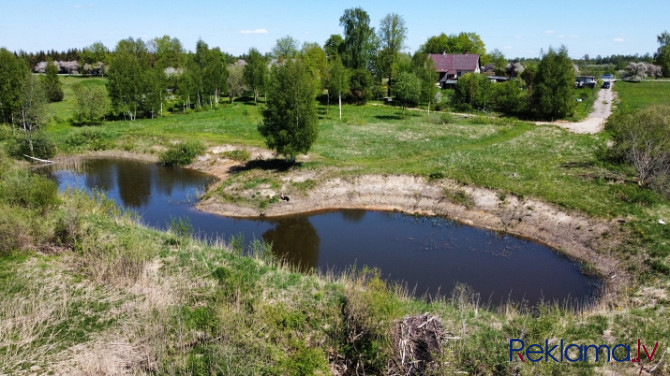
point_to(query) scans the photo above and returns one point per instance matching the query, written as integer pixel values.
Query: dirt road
(595, 122)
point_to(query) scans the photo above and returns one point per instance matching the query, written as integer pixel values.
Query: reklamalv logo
(577, 353)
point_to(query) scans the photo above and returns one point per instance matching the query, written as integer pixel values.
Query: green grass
(64, 110)
(585, 106)
(121, 295)
(635, 96)
(375, 139)
(207, 309)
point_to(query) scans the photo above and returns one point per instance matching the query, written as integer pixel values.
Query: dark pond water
(430, 255)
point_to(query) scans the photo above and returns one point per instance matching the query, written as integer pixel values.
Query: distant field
(65, 109)
(375, 139)
(633, 96)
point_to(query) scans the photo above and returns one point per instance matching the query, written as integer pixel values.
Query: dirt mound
(417, 341)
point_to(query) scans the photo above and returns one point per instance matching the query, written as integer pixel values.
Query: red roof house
(451, 66)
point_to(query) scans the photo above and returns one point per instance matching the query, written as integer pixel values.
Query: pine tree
(52, 85)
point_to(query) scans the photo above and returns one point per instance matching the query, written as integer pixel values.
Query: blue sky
(517, 28)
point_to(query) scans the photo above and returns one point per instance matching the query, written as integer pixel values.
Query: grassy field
(511, 156)
(636, 95)
(85, 290)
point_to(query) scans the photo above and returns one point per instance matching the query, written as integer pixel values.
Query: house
(451, 66)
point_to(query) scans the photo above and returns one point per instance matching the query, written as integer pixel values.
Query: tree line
(364, 62)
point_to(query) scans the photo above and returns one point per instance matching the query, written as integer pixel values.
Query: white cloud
(256, 31)
(618, 40)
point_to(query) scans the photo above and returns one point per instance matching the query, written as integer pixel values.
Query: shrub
(89, 138)
(642, 139)
(360, 83)
(459, 197)
(510, 97)
(28, 190)
(181, 154)
(240, 155)
(5, 132)
(472, 91)
(15, 230)
(43, 148)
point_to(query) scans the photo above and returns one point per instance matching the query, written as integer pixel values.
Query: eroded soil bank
(577, 236)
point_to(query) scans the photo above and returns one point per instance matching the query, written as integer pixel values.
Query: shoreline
(578, 237)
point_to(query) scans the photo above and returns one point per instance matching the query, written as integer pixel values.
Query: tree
(553, 86)
(97, 52)
(168, 52)
(510, 97)
(424, 69)
(339, 81)
(359, 39)
(407, 89)
(392, 34)
(663, 53)
(473, 91)
(128, 81)
(52, 85)
(235, 81)
(462, 43)
(437, 44)
(316, 64)
(255, 72)
(285, 48)
(290, 120)
(333, 47)
(497, 58)
(94, 59)
(636, 71)
(206, 75)
(91, 103)
(360, 82)
(468, 43)
(33, 108)
(216, 74)
(13, 73)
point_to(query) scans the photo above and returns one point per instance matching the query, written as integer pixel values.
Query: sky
(518, 28)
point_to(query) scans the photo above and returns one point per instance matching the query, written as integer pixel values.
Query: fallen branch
(39, 160)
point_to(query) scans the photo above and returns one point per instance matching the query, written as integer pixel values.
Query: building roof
(451, 63)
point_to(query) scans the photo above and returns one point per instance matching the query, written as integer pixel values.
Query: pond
(430, 255)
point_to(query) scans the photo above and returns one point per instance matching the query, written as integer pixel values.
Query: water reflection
(295, 241)
(428, 254)
(353, 216)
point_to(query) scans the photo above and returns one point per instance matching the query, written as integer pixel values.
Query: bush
(642, 139)
(15, 230)
(89, 139)
(5, 132)
(510, 97)
(181, 154)
(28, 190)
(472, 91)
(360, 83)
(240, 155)
(43, 148)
